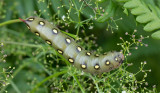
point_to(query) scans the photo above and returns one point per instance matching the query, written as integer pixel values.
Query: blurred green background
(21, 46)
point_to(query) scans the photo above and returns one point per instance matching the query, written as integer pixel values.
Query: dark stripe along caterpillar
(75, 54)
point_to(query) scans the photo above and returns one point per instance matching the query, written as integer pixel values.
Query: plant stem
(10, 22)
(46, 79)
(14, 86)
(19, 43)
(78, 83)
(95, 82)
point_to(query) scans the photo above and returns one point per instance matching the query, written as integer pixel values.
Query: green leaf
(125, 11)
(153, 25)
(144, 18)
(156, 35)
(144, 14)
(109, 12)
(138, 11)
(131, 4)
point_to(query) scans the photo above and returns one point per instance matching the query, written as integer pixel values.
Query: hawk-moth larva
(74, 53)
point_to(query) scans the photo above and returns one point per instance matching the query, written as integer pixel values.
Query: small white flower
(90, 27)
(130, 75)
(91, 16)
(63, 17)
(123, 91)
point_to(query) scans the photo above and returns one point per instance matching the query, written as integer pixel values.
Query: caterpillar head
(111, 61)
(34, 22)
(40, 27)
(118, 59)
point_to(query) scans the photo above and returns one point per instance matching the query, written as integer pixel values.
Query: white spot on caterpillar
(30, 19)
(55, 31)
(105, 53)
(60, 52)
(71, 60)
(41, 23)
(28, 27)
(83, 66)
(107, 62)
(96, 55)
(68, 40)
(79, 48)
(116, 59)
(37, 34)
(48, 42)
(96, 66)
(88, 53)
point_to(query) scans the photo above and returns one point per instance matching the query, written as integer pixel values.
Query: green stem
(95, 82)
(78, 83)
(10, 22)
(71, 35)
(23, 44)
(46, 79)
(14, 86)
(114, 89)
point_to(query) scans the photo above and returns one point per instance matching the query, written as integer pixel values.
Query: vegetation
(29, 65)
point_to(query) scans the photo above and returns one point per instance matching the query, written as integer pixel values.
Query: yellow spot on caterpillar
(88, 53)
(68, 40)
(55, 31)
(83, 66)
(71, 60)
(97, 55)
(96, 66)
(59, 51)
(105, 53)
(37, 34)
(116, 59)
(79, 48)
(48, 42)
(41, 23)
(28, 27)
(107, 62)
(30, 19)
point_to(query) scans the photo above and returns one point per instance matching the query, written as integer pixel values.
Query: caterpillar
(74, 53)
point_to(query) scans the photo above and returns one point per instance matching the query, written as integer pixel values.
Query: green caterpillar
(74, 53)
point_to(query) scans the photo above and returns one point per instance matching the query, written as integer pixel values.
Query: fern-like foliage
(145, 15)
